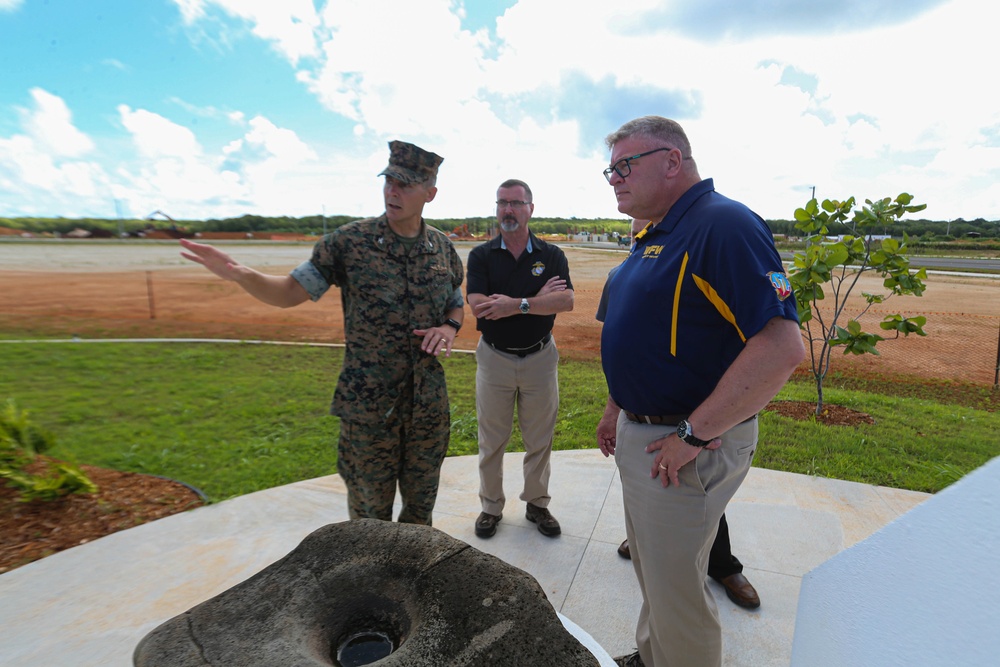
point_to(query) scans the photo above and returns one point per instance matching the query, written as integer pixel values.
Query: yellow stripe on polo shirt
(677, 306)
(719, 304)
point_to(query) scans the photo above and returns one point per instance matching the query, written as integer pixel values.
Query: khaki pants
(670, 534)
(532, 384)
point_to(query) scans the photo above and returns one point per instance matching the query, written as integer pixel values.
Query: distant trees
(921, 231)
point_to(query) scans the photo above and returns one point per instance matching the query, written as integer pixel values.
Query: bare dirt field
(146, 289)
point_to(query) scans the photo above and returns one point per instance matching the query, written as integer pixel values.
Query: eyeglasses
(624, 166)
(517, 203)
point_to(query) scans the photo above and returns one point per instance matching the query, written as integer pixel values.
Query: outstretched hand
(212, 259)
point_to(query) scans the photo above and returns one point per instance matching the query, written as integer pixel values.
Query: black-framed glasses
(516, 203)
(624, 166)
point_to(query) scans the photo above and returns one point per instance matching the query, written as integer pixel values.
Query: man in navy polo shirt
(723, 566)
(516, 283)
(700, 334)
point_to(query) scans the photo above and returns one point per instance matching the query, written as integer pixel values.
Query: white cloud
(50, 125)
(268, 170)
(266, 157)
(45, 183)
(10, 5)
(42, 165)
(392, 78)
(191, 10)
(283, 144)
(156, 136)
(289, 24)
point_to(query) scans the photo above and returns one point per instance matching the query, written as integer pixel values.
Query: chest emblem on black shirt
(537, 269)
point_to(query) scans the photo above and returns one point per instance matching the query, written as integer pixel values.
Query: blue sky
(214, 108)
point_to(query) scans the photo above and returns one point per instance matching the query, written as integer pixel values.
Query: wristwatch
(524, 306)
(685, 434)
(455, 324)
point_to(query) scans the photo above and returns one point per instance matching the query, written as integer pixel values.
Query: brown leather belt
(666, 419)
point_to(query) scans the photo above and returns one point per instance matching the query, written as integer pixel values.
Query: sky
(219, 108)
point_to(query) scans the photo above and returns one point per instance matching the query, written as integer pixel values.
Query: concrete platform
(92, 604)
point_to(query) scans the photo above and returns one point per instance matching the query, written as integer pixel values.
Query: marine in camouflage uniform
(400, 283)
(391, 396)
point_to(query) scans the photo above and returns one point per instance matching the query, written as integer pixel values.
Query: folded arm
(552, 298)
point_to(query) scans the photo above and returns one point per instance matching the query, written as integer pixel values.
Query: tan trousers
(532, 384)
(670, 534)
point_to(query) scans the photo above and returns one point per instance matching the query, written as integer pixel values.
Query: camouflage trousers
(374, 458)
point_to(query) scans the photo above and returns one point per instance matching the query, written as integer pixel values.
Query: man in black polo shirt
(516, 283)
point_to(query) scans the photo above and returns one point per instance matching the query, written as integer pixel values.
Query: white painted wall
(924, 590)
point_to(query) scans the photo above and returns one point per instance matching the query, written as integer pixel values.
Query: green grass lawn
(232, 419)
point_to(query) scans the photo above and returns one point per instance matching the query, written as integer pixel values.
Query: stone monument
(372, 592)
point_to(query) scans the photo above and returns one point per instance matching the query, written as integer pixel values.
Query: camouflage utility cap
(411, 164)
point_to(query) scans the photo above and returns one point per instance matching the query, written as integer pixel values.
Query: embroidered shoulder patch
(781, 284)
(537, 269)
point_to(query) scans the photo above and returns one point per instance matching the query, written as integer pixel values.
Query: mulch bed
(831, 415)
(33, 530)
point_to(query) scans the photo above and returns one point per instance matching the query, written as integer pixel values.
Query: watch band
(685, 434)
(454, 323)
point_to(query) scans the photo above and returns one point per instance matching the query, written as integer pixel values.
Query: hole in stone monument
(370, 628)
(366, 625)
(364, 648)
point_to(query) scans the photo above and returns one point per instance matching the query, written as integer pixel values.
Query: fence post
(149, 295)
(996, 373)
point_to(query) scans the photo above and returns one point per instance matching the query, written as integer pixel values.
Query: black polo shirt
(493, 270)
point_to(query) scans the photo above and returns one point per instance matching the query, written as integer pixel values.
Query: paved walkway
(90, 605)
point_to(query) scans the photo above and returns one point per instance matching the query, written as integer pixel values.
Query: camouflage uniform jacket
(386, 293)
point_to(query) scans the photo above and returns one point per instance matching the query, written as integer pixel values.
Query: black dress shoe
(547, 524)
(740, 591)
(623, 550)
(630, 660)
(486, 524)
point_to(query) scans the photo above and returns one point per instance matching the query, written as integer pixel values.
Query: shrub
(21, 442)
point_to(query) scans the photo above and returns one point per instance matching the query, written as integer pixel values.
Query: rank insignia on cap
(781, 284)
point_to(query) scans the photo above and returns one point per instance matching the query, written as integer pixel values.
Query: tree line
(920, 230)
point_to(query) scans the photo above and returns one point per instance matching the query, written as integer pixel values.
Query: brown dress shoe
(623, 550)
(486, 524)
(547, 524)
(740, 591)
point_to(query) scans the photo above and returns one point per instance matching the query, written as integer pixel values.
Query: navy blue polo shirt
(492, 269)
(680, 309)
